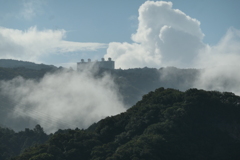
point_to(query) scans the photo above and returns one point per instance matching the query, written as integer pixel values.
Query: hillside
(165, 124)
(10, 69)
(10, 63)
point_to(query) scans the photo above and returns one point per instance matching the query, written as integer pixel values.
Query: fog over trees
(40, 103)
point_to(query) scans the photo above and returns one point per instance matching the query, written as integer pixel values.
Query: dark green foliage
(12, 143)
(165, 124)
(67, 145)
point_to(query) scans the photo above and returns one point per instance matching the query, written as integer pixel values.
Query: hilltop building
(101, 64)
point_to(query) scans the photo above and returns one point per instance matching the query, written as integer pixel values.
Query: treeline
(13, 143)
(165, 124)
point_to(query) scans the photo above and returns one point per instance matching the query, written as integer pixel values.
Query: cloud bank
(33, 44)
(63, 100)
(165, 36)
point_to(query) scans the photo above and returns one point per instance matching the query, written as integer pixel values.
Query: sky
(134, 33)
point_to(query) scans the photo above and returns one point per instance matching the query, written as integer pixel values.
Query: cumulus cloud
(32, 44)
(165, 36)
(63, 99)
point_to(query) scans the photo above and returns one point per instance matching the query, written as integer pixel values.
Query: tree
(38, 129)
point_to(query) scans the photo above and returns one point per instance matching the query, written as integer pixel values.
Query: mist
(224, 79)
(61, 100)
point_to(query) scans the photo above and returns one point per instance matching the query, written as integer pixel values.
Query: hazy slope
(136, 82)
(44, 96)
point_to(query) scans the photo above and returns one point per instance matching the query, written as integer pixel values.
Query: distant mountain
(10, 69)
(9, 63)
(165, 124)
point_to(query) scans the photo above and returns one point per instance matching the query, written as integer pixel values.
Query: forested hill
(165, 124)
(9, 63)
(13, 143)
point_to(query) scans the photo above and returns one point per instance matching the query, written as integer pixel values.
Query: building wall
(106, 64)
(101, 64)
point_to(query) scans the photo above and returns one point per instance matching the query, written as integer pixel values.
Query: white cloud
(63, 100)
(33, 44)
(165, 36)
